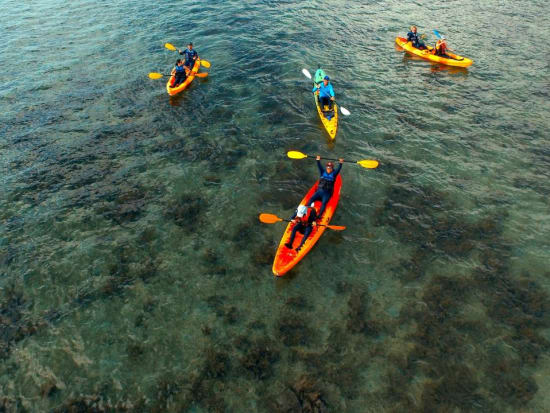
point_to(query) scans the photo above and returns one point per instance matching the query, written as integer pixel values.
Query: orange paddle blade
(269, 218)
(336, 227)
(201, 74)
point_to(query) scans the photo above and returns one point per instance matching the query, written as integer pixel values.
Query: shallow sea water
(135, 275)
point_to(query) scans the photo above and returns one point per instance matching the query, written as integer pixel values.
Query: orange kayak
(455, 60)
(286, 258)
(175, 90)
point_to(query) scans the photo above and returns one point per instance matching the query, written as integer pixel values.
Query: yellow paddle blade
(154, 75)
(201, 74)
(205, 63)
(368, 163)
(170, 46)
(296, 155)
(269, 218)
(336, 227)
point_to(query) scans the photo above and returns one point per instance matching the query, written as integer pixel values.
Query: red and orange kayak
(286, 259)
(175, 90)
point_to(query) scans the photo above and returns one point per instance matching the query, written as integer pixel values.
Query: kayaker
(179, 73)
(304, 220)
(413, 37)
(441, 48)
(326, 184)
(190, 57)
(326, 94)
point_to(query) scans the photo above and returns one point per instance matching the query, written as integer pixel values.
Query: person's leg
(317, 196)
(179, 79)
(323, 101)
(306, 234)
(297, 227)
(325, 198)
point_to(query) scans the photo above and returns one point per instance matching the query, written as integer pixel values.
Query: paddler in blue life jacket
(179, 73)
(326, 184)
(326, 95)
(413, 37)
(190, 57)
(304, 220)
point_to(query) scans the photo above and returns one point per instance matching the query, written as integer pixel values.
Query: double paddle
(365, 163)
(344, 111)
(273, 219)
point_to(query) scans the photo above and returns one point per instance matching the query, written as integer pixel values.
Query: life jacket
(440, 48)
(305, 219)
(413, 37)
(326, 181)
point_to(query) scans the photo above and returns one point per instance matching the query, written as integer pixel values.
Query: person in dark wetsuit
(413, 37)
(179, 73)
(190, 57)
(326, 184)
(304, 220)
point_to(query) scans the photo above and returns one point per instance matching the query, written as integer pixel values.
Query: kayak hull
(286, 259)
(331, 125)
(457, 60)
(172, 91)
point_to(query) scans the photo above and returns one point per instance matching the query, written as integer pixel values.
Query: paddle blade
(344, 111)
(201, 74)
(368, 163)
(154, 75)
(336, 227)
(437, 34)
(306, 73)
(269, 218)
(170, 46)
(205, 63)
(296, 155)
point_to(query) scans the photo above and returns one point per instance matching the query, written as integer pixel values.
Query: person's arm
(337, 170)
(321, 170)
(315, 89)
(294, 215)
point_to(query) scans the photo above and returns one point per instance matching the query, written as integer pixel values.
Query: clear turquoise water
(136, 277)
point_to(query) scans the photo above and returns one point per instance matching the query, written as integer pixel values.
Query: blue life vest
(326, 181)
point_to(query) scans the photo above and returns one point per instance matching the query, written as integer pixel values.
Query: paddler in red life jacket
(304, 220)
(440, 48)
(326, 184)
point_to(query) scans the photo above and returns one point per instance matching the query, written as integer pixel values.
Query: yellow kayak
(455, 59)
(331, 125)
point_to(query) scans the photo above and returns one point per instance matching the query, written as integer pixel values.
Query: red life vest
(304, 220)
(441, 48)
